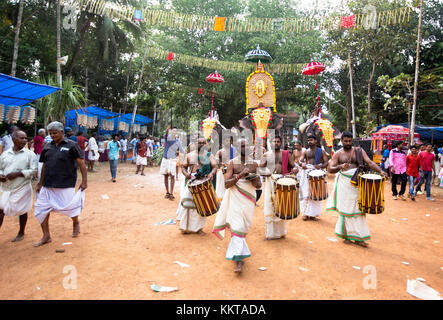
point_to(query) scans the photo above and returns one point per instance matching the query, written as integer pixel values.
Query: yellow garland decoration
(234, 24)
(325, 127)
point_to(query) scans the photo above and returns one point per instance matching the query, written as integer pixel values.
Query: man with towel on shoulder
(312, 158)
(237, 208)
(197, 164)
(282, 163)
(351, 224)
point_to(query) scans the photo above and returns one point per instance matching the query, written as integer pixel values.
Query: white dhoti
(351, 223)
(236, 213)
(220, 185)
(308, 207)
(16, 202)
(190, 220)
(275, 227)
(182, 193)
(168, 166)
(93, 157)
(64, 200)
(141, 161)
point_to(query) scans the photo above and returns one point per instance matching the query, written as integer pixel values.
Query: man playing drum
(237, 208)
(283, 164)
(312, 160)
(351, 224)
(222, 157)
(197, 164)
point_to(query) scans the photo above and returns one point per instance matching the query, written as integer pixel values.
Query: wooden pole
(138, 90)
(354, 131)
(417, 67)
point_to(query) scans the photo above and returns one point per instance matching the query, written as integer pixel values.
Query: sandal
(171, 197)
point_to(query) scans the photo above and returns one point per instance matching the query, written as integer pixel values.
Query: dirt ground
(120, 251)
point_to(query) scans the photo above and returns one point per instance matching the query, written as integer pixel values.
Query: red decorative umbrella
(391, 133)
(214, 78)
(312, 69)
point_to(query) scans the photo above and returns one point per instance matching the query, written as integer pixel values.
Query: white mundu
(190, 220)
(275, 227)
(309, 207)
(351, 224)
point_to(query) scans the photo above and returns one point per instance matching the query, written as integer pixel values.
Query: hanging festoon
(260, 96)
(313, 69)
(209, 123)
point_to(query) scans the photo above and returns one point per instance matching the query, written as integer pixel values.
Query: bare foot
(201, 232)
(313, 218)
(239, 266)
(44, 240)
(19, 237)
(76, 230)
(362, 243)
(347, 241)
(305, 218)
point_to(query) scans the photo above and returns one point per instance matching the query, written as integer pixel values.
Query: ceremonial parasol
(258, 55)
(312, 69)
(214, 78)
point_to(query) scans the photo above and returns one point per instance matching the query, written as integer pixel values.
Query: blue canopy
(101, 114)
(18, 92)
(427, 133)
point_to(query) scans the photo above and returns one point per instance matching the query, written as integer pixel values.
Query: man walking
(168, 166)
(124, 149)
(38, 143)
(17, 167)
(413, 164)
(56, 188)
(93, 154)
(427, 158)
(397, 163)
(113, 148)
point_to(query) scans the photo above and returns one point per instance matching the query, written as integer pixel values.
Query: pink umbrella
(214, 78)
(312, 69)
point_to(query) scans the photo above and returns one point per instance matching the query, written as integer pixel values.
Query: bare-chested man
(222, 157)
(312, 158)
(237, 208)
(283, 164)
(298, 150)
(197, 164)
(351, 224)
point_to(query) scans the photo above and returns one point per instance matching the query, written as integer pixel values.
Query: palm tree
(54, 106)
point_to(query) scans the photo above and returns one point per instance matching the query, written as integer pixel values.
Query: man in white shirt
(124, 149)
(93, 154)
(17, 168)
(6, 141)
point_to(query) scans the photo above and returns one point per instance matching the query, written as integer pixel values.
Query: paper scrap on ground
(303, 269)
(294, 292)
(262, 268)
(181, 264)
(405, 219)
(332, 239)
(436, 242)
(420, 279)
(66, 243)
(404, 262)
(170, 221)
(428, 215)
(158, 288)
(311, 242)
(105, 197)
(422, 291)
(356, 267)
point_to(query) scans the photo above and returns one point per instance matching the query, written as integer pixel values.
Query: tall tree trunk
(80, 43)
(348, 108)
(17, 38)
(59, 77)
(368, 116)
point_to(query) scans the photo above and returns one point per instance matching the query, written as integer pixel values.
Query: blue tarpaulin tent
(94, 111)
(427, 133)
(18, 92)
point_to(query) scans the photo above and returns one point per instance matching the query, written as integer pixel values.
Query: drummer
(222, 157)
(351, 224)
(237, 208)
(312, 158)
(278, 162)
(198, 164)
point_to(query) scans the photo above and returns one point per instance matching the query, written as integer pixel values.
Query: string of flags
(157, 53)
(369, 19)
